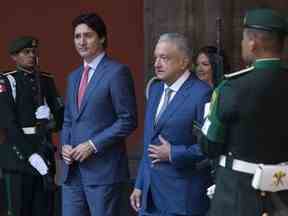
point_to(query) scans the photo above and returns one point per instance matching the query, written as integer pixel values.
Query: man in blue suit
(170, 180)
(100, 113)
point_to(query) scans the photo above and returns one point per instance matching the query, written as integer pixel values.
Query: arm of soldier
(228, 103)
(15, 134)
(55, 103)
(213, 130)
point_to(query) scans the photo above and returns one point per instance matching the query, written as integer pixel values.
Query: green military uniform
(248, 123)
(19, 99)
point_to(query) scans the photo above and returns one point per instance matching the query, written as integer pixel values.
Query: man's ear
(252, 45)
(102, 40)
(185, 62)
(14, 57)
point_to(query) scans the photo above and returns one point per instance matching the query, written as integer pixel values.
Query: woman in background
(207, 68)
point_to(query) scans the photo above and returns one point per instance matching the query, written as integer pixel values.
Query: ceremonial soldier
(30, 110)
(247, 125)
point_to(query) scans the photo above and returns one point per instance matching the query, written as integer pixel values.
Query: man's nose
(157, 63)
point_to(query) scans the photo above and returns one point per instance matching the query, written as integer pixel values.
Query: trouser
(26, 195)
(91, 200)
(155, 211)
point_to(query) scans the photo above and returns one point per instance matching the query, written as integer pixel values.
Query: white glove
(43, 112)
(210, 191)
(38, 163)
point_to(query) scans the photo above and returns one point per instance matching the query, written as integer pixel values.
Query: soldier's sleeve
(228, 104)
(14, 141)
(54, 101)
(213, 129)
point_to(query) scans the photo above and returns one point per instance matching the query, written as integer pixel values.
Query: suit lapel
(93, 83)
(151, 109)
(178, 100)
(155, 102)
(75, 89)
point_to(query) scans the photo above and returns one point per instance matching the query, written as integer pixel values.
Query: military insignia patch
(2, 88)
(213, 100)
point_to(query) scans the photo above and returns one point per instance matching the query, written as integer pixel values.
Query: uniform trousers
(26, 195)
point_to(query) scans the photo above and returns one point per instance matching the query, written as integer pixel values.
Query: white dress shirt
(174, 87)
(93, 64)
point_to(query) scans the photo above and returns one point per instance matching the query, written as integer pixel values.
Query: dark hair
(211, 53)
(95, 22)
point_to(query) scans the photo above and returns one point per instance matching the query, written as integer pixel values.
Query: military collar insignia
(243, 71)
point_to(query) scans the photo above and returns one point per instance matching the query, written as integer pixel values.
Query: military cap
(265, 19)
(21, 43)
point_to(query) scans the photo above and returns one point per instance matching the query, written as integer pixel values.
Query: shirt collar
(94, 63)
(179, 82)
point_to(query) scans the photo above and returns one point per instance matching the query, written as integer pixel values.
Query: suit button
(14, 148)
(230, 153)
(21, 157)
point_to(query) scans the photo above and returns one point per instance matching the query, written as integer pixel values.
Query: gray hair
(179, 40)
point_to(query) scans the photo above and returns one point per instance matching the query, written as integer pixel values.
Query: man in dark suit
(26, 153)
(246, 125)
(169, 181)
(100, 114)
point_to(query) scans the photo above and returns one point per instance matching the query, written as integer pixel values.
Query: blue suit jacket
(177, 186)
(107, 116)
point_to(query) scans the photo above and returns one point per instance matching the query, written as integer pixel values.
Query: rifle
(47, 149)
(220, 63)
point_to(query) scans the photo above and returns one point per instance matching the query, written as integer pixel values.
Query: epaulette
(153, 79)
(9, 72)
(45, 74)
(243, 71)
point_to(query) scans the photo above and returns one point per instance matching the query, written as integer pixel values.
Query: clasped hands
(78, 153)
(161, 152)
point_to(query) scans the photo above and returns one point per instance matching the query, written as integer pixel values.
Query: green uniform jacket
(252, 109)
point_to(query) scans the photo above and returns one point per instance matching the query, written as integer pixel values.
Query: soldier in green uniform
(247, 122)
(30, 110)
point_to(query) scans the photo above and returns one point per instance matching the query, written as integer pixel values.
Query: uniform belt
(29, 130)
(239, 165)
